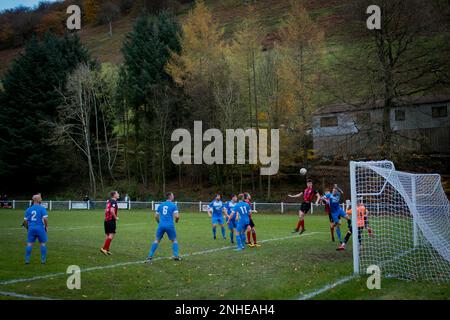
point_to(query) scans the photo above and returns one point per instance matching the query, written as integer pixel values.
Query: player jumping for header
(110, 221)
(36, 222)
(164, 216)
(337, 212)
(326, 203)
(308, 196)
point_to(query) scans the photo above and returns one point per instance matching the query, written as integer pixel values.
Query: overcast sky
(8, 4)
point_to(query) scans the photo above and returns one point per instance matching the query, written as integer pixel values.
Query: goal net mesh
(407, 227)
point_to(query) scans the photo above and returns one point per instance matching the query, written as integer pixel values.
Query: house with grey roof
(419, 125)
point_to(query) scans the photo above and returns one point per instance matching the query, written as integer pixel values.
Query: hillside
(228, 12)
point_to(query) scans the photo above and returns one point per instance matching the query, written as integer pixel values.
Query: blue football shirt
(35, 216)
(166, 210)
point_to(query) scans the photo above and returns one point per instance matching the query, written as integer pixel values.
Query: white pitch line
(74, 228)
(24, 296)
(326, 288)
(52, 275)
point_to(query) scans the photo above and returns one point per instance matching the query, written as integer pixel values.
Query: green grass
(281, 269)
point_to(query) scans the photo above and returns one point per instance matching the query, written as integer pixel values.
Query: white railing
(193, 206)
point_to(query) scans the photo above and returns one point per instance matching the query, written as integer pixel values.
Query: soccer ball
(303, 171)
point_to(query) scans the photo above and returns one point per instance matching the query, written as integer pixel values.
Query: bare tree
(75, 115)
(406, 57)
(108, 12)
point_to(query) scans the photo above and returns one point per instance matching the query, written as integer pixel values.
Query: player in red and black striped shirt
(308, 197)
(252, 231)
(110, 221)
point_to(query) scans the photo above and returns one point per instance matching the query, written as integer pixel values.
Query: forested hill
(18, 26)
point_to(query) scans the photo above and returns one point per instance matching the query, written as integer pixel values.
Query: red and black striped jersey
(111, 208)
(309, 194)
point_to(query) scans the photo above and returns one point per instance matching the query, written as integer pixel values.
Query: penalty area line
(122, 264)
(23, 296)
(326, 288)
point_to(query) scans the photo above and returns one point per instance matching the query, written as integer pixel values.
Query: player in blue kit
(165, 215)
(242, 212)
(215, 212)
(231, 219)
(36, 222)
(337, 212)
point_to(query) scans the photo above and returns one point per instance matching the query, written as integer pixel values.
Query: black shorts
(305, 207)
(110, 226)
(252, 224)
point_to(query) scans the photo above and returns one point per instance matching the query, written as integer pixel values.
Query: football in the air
(303, 171)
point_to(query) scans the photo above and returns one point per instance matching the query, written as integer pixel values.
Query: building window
(439, 112)
(400, 115)
(328, 122)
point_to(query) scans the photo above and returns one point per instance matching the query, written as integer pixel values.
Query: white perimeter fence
(197, 206)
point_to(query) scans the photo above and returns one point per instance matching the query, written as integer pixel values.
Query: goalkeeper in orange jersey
(362, 223)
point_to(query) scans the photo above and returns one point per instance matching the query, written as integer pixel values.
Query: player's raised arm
(318, 197)
(298, 195)
(338, 189)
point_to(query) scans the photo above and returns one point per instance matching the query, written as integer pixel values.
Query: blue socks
(214, 232)
(223, 232)
(239, 240)
(153, 249)
(338, 232)
(175, 249)
(28, 253)
(43, 253)
(242, 235)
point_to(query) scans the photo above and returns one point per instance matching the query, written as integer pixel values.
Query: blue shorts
(170, 230)
(336, 215)
(217, 220)
(232, 224)
(38, 233)
(242, 226)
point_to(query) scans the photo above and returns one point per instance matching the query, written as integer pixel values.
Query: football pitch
(286, 266)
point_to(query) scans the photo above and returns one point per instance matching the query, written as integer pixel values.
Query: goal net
(405, 230)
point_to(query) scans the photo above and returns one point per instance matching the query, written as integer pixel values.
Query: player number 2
(33, 215)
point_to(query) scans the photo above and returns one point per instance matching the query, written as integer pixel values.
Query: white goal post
(405, 230)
